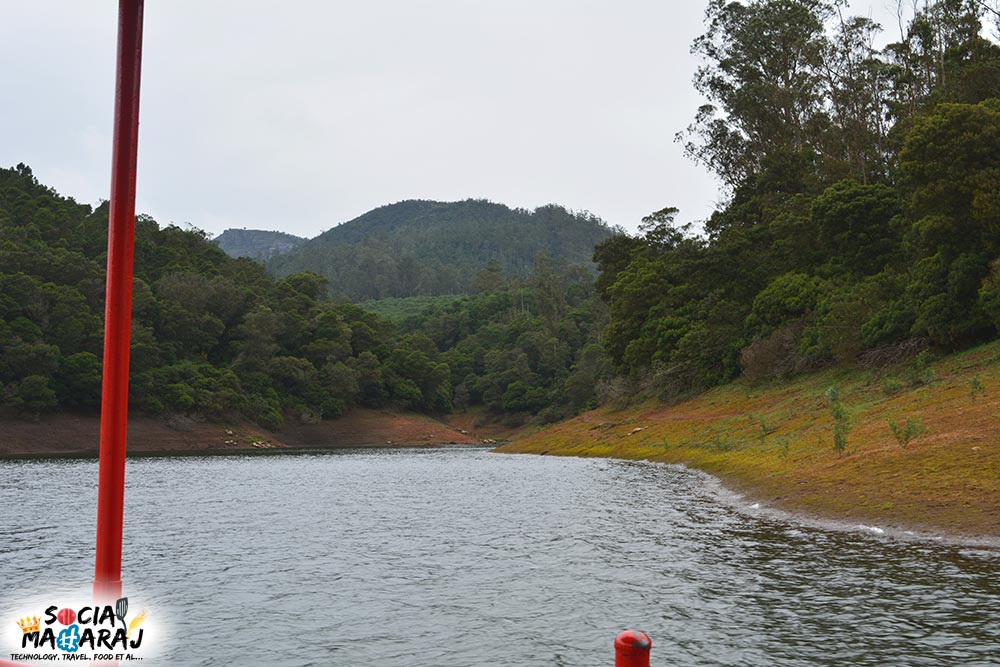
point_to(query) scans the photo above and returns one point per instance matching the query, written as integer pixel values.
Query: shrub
(786, 298)
(34, 395)
(775, 355)
(913, 429)
(918, 374)
(841, 420)
(892, 386)
(976, 388)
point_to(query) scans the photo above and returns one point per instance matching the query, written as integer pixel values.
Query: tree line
(220, 338)
(211, 335)
(863, 199)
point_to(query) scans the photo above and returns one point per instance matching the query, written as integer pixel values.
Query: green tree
(35, 395)
(950, 179)
(79, 380)
(763, 80)
(858, 227)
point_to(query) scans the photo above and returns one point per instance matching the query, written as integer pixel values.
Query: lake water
(463, 557)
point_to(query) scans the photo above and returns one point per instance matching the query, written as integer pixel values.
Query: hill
(213, 337)
(216, 338)
(256, 243)
(420, 248)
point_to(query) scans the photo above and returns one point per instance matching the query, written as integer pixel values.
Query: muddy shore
(77, 435)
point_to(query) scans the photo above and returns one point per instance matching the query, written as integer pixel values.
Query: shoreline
(757, 498)
(773, 445)
(742, 502)
(251, 451)
(746, 504)
(77, 436)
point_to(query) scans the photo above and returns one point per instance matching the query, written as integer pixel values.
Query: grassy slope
(776, 443)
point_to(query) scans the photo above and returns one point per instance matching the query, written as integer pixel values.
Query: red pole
(118, 309)
(632, 649)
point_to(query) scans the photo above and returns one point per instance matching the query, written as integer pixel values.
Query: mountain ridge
(420, 247)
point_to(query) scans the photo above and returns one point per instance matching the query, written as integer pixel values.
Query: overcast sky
(299, 115)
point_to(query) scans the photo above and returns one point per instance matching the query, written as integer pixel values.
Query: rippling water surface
(462, 557)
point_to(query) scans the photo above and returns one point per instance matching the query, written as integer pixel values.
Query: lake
(459, 556)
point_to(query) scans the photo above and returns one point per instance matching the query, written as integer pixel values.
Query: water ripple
(458, 556)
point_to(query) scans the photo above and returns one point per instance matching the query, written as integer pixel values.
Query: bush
(891, 386)
(774, 356)
(976, 388)
(841, 420)
(407, 393)
(918, 373)
(788, 297)
(913, 429)
(989, 294)
(522, 397)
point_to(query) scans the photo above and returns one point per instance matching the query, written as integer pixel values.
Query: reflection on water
(463, 557)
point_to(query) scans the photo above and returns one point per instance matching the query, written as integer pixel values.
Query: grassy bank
(921, 445)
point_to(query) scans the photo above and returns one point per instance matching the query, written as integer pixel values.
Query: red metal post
(118, 310)
(632, 649)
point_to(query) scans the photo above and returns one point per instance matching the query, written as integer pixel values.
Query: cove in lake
(459, 556)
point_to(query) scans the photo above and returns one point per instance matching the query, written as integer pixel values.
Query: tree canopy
(426, 248)
(220, 338)
(863, 198)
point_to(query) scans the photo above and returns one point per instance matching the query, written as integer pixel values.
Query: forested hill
(216, 337)
(863, 217)
(256, 243)
(415, 248)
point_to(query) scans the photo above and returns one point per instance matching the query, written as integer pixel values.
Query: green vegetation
(976, 387)
(527, 349)
(913, 428)
(398, 309)
(217, 337)
(422, 248)
(863, 223)
(211, 335)
(841, 420)
(860, 240)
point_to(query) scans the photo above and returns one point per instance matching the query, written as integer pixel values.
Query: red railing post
(118, 309)
(632, 649)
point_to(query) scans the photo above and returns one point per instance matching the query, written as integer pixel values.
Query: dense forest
(218, 337)
(422, 248)
(864, 200)
(862, 223)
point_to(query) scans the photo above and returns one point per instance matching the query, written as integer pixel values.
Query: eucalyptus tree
(943, 56)
(763, 78)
